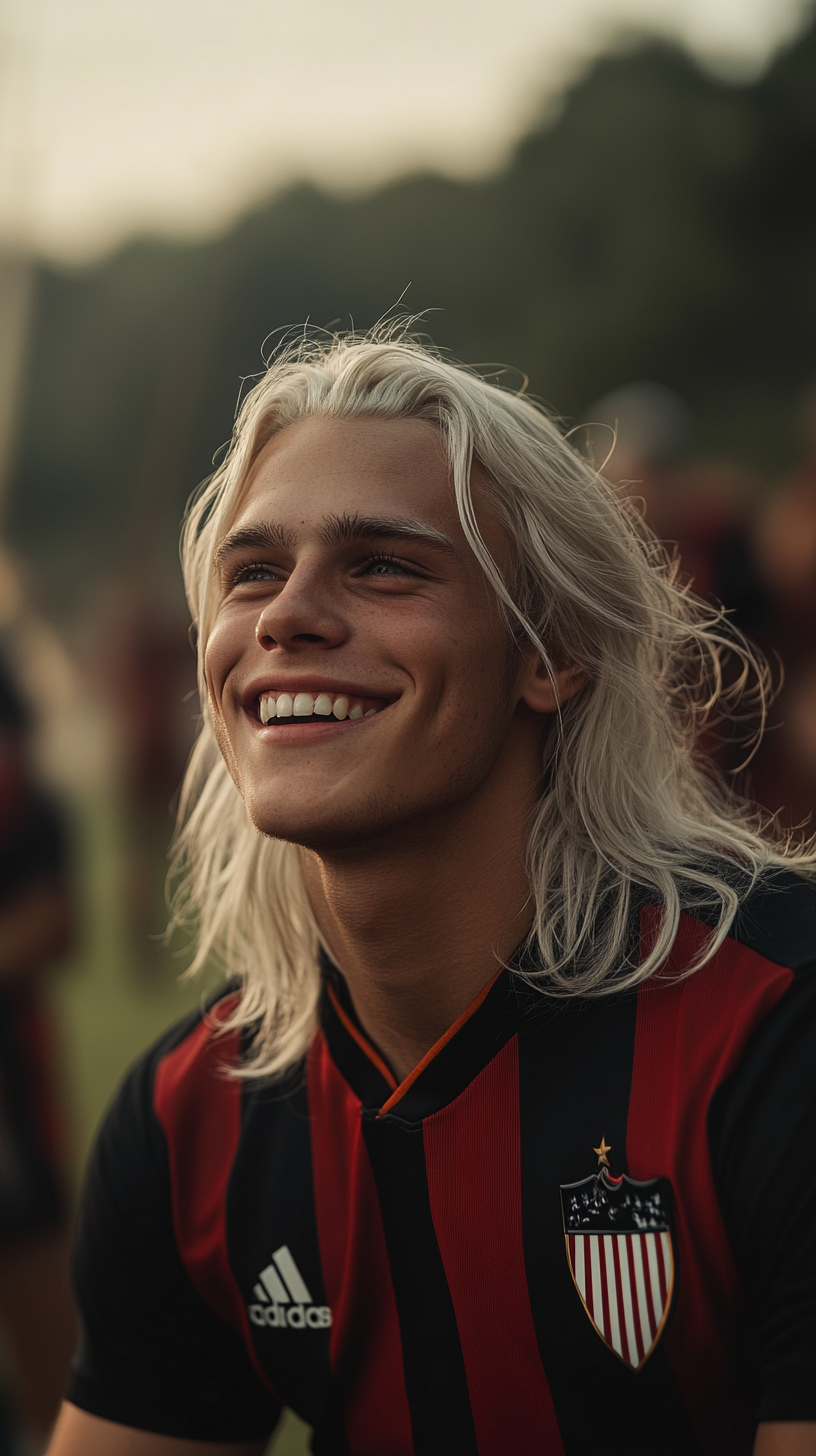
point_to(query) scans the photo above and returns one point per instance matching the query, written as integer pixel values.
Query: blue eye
(255, 572)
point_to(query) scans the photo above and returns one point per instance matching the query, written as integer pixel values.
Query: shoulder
(165, 1149)
(777, 921)
(769, 946)
(749, 1001)
(189, 1062)
(773, 943)
(161, 1315)
(761, 987)
(760, 1121)
(194, 1066)
(765, 969)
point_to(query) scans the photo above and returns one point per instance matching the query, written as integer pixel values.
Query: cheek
(217, 661)
(476, 687)
(488, 664)
(222, 651)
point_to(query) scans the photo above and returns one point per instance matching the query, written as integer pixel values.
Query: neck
(421, 919)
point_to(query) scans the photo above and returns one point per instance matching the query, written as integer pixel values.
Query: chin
(343, 827)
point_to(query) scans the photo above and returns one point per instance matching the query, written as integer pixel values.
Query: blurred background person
(37, 929)
(145, 670)
(784, 542)
(644, 437)
(701, 508)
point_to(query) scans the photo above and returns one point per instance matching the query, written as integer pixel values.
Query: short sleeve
(152, 1354)
(761, 1129)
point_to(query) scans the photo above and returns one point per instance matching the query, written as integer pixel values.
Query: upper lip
(311, 683)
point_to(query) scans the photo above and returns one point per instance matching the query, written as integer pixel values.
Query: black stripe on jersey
(778, 920)
(270, 1202)
(749, 1122)
(760, 1128)
(435, 1380)
(355, 1066)
(575, 1068)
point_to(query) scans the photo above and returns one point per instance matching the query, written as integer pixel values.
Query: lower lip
(283, 731)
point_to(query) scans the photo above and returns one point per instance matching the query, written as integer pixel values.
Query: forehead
(319, 467)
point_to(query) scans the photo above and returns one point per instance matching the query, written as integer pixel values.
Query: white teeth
(304, 705)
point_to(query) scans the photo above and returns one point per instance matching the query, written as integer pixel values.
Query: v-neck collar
(444, 1072)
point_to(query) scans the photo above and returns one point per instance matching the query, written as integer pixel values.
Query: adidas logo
(284, 1299)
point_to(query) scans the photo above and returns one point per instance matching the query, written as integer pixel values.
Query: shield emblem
(621, 1258)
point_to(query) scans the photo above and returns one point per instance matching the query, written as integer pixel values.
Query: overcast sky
(122, 116)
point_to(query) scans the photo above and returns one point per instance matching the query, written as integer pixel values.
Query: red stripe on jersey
(365, 1348)
(473, 1160)
(689, 1037)
(199, 1109)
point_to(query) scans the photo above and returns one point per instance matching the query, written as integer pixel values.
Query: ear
(543, 691)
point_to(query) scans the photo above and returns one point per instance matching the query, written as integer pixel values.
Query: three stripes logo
(621, 1258)
(283, 1298)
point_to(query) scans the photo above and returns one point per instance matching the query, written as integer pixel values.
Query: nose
(302, 614)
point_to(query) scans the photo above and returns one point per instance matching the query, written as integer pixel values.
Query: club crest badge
(620, 1253)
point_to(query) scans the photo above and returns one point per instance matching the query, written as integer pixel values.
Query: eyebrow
(265, 536)
(335, 531)
(339, 530)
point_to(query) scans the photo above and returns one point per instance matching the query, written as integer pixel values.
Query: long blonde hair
(628, 805)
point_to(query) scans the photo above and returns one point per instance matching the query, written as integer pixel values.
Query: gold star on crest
(602, 1151)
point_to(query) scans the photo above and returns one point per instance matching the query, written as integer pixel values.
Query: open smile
(317, 707)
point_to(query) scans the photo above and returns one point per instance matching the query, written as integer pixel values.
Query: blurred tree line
(662, 225)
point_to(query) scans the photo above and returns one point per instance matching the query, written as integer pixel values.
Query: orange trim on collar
(399, 1092)
(382, 1067)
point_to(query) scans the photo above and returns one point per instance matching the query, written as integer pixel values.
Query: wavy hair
(629, 806)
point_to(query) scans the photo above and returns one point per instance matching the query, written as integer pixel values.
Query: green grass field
(113, 998)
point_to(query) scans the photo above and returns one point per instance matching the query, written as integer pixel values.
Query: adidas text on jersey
(284, 1298)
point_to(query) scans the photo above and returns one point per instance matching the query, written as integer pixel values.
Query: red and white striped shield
(620, 1254)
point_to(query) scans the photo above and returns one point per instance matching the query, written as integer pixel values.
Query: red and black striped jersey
(577, 1225)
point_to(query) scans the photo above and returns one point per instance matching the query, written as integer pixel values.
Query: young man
(501, 1141)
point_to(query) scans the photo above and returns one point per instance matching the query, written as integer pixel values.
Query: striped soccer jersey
(577, 1225)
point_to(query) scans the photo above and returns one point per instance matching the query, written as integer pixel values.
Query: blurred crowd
(37, 928)
(749, 546)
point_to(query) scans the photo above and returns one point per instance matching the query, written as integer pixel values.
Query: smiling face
(360, 674)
